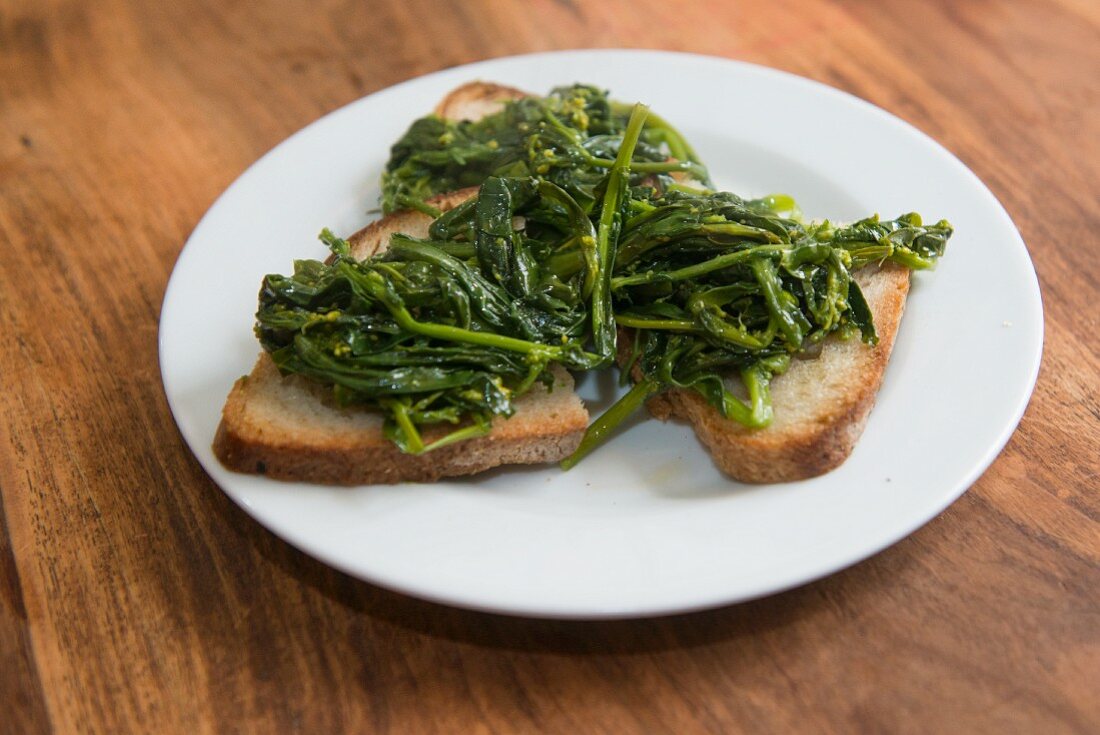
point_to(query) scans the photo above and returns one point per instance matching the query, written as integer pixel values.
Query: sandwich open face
(291, 428)
(820, 405)
(797, 417)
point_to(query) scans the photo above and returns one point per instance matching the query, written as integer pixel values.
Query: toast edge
(475, 100)
(762, 456)
(370, 459)
(385, 465)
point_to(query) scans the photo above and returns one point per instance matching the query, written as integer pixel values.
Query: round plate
(646, 525)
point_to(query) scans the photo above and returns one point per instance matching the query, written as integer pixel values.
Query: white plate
(647, 525)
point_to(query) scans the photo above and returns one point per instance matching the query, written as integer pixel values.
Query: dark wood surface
(135, 597)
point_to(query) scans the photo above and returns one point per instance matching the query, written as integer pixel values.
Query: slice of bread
(820, 404)
(288, 428)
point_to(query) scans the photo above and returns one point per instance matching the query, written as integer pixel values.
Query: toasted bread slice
(820, 404)
(288, 428)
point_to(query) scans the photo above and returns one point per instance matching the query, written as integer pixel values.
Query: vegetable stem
(699, 269)
(405, 320)
(601, 428)
(618, 178)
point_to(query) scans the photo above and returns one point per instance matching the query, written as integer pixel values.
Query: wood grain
(134, 597)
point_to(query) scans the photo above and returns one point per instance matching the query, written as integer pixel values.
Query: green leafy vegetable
(712, 286)
(447, 330)
(571, 138)
(582, 233)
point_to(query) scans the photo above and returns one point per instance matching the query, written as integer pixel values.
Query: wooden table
(135, 597)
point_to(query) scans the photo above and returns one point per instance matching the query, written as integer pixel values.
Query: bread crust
(475, 100)
(812, 433)
(375, 237)
(287, 428)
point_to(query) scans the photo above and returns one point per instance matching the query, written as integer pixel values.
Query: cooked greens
(453, 328)
(708, 286)
(584, 232)
(571, 138)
